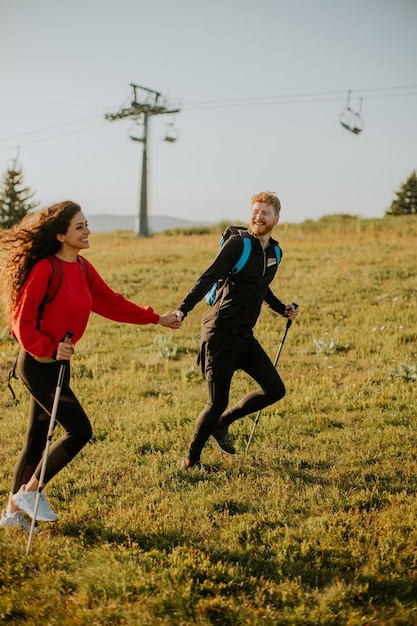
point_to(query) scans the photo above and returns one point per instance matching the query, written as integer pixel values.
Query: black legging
(41, 380)
(248, 356)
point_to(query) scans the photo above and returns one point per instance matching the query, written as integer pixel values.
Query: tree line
(16, 199)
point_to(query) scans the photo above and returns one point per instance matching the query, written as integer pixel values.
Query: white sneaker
(26, 500)
(16, 519)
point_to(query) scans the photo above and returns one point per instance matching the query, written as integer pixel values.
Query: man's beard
(266, 229)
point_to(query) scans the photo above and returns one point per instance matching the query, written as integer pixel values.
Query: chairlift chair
(136, 131)
(350, 119)
(171, 133)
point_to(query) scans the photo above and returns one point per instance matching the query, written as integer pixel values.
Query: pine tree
(406, 201)
(14, 196)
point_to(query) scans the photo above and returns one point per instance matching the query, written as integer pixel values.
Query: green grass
(317, 524)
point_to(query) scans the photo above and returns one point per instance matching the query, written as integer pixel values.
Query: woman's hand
(170, 320)
(64, 351)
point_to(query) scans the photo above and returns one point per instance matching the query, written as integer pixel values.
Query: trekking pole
(255, 423)
(61, 373)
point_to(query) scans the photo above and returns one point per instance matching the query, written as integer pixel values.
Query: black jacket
(239, 298)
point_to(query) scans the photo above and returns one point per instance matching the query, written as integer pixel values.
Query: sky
(260, 85)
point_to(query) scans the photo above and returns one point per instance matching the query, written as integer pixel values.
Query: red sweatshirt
(81, 292)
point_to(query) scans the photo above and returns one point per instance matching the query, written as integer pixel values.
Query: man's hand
(291, 311)
(170, 320)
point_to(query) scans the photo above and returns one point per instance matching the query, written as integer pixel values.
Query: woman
(41, 245)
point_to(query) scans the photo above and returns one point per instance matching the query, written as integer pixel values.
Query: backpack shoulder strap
(81, 261)
(232, 231)
(247, 247)
(54, 283)
(278, 253)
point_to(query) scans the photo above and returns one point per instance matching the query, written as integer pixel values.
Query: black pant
(221, 355)
(41, 380)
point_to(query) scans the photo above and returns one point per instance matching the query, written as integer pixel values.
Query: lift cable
(303, 98)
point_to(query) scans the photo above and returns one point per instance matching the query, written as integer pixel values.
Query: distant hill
(157, 223)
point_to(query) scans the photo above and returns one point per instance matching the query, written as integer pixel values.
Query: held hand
(291, 311)
(64, 351)
(170, 320)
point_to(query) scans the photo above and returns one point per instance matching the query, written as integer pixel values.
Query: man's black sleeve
(274, 303)
(226, 258)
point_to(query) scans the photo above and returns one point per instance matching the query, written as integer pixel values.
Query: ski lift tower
(144, 104)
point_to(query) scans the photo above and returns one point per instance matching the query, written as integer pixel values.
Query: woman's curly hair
(29, 241)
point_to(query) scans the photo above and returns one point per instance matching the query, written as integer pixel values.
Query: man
(227, 340)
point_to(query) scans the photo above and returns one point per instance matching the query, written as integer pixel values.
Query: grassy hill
(316, 524)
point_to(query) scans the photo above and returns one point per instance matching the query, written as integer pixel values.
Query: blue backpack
(244, 257)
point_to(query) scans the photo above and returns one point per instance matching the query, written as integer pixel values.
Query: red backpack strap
(55, 280)
(54, 283)
(81, 261)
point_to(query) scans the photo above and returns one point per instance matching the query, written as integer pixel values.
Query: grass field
(316, 524)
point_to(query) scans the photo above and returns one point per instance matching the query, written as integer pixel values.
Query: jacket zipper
(265, 262)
